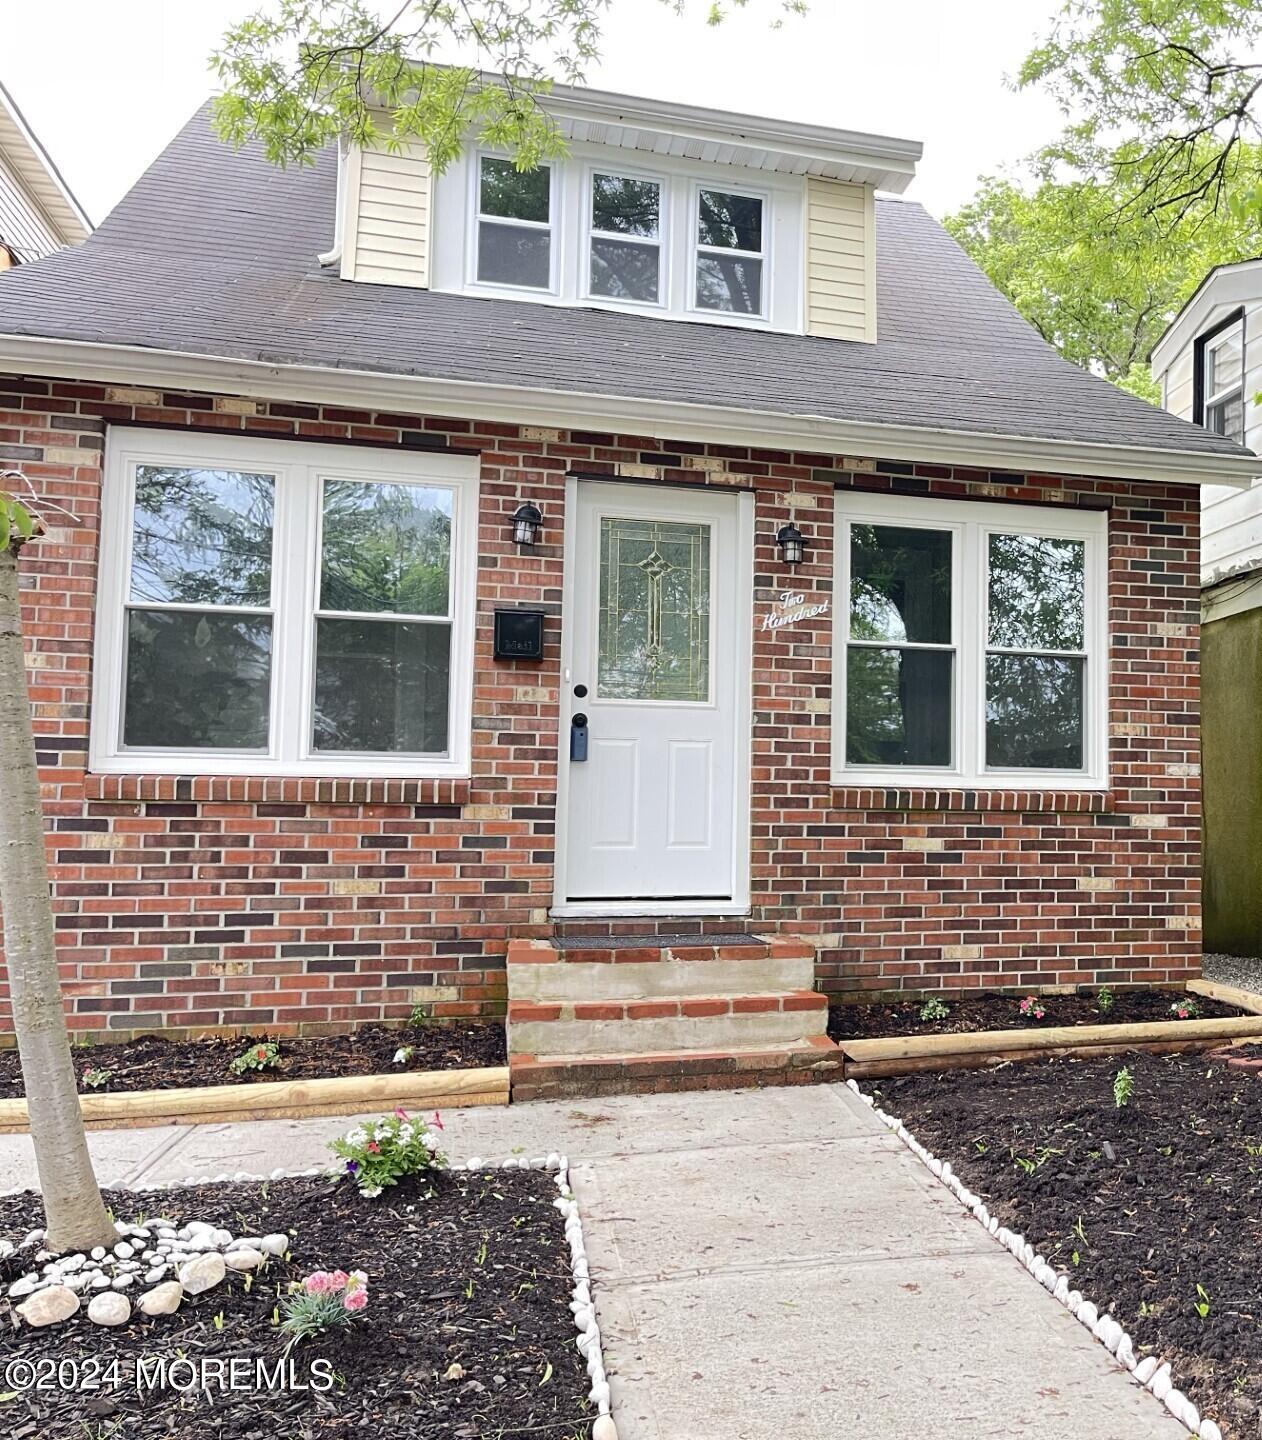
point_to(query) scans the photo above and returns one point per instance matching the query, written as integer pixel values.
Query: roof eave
(43, 180)
(1233, 278)
(679, 420)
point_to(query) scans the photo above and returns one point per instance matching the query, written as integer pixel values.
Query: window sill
(278, 789)
(879, 797)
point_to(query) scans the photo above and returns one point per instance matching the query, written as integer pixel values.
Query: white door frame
(742, 716)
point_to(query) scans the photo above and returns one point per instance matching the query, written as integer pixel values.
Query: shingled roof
(212, 253)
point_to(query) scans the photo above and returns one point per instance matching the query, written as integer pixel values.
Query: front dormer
(655, 209)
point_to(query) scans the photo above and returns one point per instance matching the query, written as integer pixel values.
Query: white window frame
(552, 227)
(1217, 398)
(696, 249)
(300, 468)
(590, 233)
(971, 524)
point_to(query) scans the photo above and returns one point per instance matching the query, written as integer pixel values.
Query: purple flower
(352, 1166)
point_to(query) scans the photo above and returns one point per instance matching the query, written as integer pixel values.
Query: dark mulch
(477, 1276)
(999, 1012)
(1139, 1205)
(154, 1062)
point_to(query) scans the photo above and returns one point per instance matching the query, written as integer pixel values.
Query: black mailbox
(519, 634)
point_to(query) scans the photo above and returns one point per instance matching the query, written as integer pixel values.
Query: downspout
(331, 257)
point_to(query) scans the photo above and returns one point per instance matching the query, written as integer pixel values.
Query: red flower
(373, 1148)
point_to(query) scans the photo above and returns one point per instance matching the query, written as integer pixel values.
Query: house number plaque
(789, 607)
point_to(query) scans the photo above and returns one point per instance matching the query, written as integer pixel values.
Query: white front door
(657, 621)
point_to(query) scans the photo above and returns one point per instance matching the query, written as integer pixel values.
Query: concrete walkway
(768, 1265)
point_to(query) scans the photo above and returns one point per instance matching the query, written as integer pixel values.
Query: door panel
(653, 635)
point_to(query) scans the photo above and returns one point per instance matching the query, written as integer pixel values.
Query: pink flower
(373, 1148)
(437, 1121)
(401, 1113)
(317, 1283)
(338, 1279)
(355, 1299)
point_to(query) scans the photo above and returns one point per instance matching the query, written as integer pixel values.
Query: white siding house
(1212, 353)
(38, 213)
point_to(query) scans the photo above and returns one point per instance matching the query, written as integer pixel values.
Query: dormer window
(729, 252)
(514, 224)
(626, 238)
(1220, 379)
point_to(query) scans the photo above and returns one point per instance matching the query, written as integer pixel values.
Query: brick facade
(202, 901)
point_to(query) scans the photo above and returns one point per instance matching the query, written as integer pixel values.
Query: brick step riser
(675, 1032)
(666, 978)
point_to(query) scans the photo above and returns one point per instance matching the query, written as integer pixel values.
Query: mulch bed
(154, 1062)
(1139, 1205)
(478, 1277)
(973, 1013)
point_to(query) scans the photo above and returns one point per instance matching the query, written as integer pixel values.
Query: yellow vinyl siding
(840, 260)
(387, 233)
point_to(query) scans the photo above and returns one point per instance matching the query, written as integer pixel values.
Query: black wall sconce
(792, 546)
(526, 522)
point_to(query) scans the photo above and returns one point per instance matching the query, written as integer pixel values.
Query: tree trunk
(72, 1201)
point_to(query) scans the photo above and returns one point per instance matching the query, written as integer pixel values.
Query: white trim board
(478, 400)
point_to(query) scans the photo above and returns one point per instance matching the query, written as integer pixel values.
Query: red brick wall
(206, 901)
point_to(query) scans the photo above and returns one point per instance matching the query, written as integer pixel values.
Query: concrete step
(709, 1023)
(537, 971)
(554, 1077)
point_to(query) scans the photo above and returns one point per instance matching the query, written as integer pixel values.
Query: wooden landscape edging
(907, 1054)
(282, 1099)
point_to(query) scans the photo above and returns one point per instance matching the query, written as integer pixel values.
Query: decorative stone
(1208, 1431)
(121, 1282)
(109, 1308)
(49, 1306)
(1088, 1314)
(153, 1276)
(1161, 1384)
(244, 1259)
(274, 1244)
(124, 1250)
(25, 1286)
(98, 1280)
(162, 1300)
(222, 1238)
(605, 1429)
(204, 1273)
(98, 1252)
(1146, 1369)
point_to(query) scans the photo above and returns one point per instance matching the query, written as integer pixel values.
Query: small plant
(381, 1152)
(95, 1078)
(421, 1015)
(934, 1009)
(325, 1300)
(1032, 1008)
(1201, 1303)
(263, 1056)
(1123, 1088)
(403, 1054)
(1185, 1008)
(1105, 1000)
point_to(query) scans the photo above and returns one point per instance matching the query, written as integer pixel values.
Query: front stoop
(610, 1018)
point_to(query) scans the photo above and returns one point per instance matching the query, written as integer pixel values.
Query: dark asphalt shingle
(214, 253)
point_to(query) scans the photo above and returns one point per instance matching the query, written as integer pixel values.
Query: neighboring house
(38, 214)
(676, 539)
(1210, 365)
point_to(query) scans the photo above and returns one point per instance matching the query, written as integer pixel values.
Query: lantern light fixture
(526, 522)
(792, 546)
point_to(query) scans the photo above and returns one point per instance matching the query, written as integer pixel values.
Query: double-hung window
(1220, 363)
(275, 607)
(514, 224)
(626, 238)
(970, 644)
(730, 252)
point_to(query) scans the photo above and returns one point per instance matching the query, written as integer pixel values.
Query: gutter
(666, 420)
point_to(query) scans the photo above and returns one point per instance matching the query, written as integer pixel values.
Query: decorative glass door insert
(654, 630)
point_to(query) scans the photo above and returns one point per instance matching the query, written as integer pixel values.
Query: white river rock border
(1151, 1372)
(582, 1306)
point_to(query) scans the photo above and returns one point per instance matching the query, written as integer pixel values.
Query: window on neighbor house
(971, 644)
(269, 607)
(626, 238)
(729, 252)
(514, 224)
(1221, 363)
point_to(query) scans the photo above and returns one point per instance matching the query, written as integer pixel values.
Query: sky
(106, 83)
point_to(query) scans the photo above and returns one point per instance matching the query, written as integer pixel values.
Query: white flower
(433, 1141)
(355, 1136)
(370, 1192)
(402, 1055)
